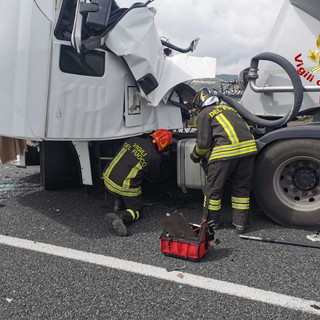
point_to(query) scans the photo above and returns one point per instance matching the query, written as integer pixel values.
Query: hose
(191, 48)
(297, 91)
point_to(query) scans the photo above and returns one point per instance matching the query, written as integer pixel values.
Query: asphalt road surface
(59, 260)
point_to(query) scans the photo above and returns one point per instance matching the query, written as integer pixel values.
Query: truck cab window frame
(90, 63)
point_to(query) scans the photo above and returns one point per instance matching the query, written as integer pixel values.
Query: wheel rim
(296, 182)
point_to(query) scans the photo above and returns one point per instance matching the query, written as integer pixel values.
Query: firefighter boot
(240, 229)
(118, 221)
(214, 220)
(115, 220)
(211, 234)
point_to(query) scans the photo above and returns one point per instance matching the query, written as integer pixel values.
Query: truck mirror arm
(149, 1)
(191, 47)
(88, 7)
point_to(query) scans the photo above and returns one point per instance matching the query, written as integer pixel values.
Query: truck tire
(53, 164)
(286, 183)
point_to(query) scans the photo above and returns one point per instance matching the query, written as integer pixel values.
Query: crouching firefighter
(224, 140)
(138, 158)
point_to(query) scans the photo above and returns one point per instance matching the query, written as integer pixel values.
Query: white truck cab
(83, 73)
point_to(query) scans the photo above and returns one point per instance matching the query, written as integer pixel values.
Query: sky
(233, 31)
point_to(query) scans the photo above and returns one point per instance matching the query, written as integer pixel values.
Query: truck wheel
(286, 183)
(53, 164)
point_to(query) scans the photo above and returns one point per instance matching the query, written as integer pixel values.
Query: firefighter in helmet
(225, 143)
(138, 158)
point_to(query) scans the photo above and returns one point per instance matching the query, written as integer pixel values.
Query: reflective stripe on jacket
(223, 134)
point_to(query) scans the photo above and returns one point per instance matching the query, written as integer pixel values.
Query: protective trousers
(128, 208)
(240, 171)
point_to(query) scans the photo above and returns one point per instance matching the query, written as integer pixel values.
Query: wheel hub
(305, 178)
(296, 181)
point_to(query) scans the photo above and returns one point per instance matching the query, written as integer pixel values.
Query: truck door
(93, 94)
(130, 33)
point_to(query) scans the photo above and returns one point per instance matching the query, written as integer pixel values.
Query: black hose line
(172, 46)
(297, 91)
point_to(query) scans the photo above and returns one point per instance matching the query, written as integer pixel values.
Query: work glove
(195, 158)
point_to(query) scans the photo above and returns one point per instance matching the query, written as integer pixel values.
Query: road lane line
(229, 288)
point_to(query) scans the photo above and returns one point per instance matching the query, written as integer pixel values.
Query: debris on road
(314, 237)
(176, 268)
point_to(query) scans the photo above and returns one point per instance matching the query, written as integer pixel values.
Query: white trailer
(83, 75)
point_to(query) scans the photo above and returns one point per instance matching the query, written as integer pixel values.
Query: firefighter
(138, 158)
(225, 143)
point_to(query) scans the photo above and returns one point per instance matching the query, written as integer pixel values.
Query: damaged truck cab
(78, 77)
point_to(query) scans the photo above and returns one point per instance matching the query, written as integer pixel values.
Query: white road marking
(268, 297)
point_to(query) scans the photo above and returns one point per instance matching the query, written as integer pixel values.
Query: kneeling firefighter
(138, 158)
(225, 142)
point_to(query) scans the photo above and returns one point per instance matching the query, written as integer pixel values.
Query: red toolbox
(190, 247)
